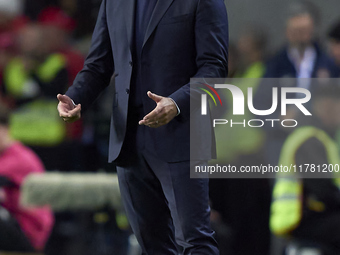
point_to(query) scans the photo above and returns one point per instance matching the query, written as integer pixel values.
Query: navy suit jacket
(281, 66)
(184, 39)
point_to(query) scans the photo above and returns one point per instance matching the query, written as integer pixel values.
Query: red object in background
(54, 16)
(6, 40)
(17, 162)
(19, 23)
(8, 33)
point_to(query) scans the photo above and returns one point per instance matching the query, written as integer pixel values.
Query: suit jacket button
(130, 63)
(127, 91)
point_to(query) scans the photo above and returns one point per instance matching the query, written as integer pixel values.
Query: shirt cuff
(73, 102)
(178, 110)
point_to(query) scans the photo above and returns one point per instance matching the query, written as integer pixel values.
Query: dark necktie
(135, 133)
(144, 9)
(143, 12)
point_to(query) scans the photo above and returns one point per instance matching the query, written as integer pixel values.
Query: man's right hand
(67, 110)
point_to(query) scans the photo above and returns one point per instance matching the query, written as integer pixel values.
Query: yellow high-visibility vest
(36, 122)
(286, 207)
(239, 141)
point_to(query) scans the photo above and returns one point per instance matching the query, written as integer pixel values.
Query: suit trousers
(167, 210)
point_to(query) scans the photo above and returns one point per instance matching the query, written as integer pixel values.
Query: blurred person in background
(249, 68)
(84, 12)
(6, 52)
(302, 58)
(9, 11)
(21, 229)
(233, 60)
(252, 47)
(306, 203)
(334, 43)
(58, 28)
(242, 146)
(31, 80)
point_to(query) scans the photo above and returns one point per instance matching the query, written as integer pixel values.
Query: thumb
(63, 98)
(154, 97)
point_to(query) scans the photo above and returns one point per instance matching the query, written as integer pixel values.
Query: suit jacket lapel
(129, 13)
(159, 11)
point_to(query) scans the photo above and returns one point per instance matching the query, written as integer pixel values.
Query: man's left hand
(164, 112)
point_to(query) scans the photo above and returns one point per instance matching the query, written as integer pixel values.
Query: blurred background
(43, 44)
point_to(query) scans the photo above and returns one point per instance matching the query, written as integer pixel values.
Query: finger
(63, 111)
(70, 119)
(159, 122)
(63, 115)
(70, 114)
(154, 124)
(150, 117)
(75, 111)
(151, 125)
(63, 98)
(154, 97)
(147, 122)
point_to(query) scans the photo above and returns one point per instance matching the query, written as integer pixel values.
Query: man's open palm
(164, 112)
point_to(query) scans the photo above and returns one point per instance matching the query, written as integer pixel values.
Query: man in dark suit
(156, 46)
